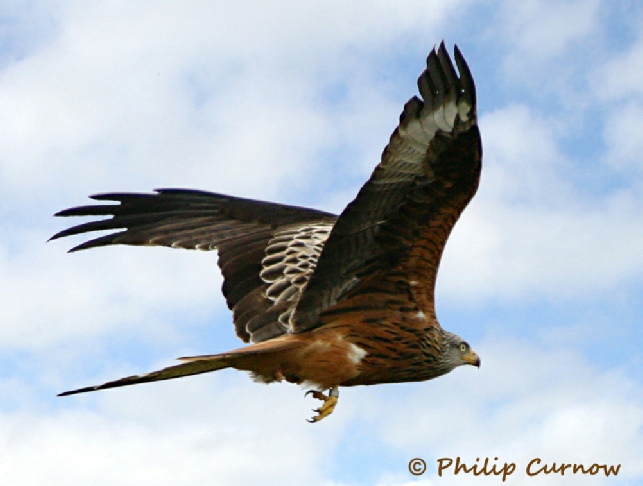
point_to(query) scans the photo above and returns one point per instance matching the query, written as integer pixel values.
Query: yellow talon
(330, 401)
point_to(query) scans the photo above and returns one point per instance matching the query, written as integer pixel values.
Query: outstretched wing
(267, 251)
(399, 222)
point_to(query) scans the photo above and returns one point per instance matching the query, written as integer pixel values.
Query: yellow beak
(472, 358)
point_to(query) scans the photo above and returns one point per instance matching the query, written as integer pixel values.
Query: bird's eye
(463, 347)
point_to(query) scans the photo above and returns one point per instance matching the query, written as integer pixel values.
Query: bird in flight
(328, 301)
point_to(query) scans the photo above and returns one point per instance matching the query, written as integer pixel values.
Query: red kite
(325, 300)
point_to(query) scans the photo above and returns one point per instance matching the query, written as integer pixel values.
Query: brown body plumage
(327, 300)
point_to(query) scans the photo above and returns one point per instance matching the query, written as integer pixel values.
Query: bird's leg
(328, 406)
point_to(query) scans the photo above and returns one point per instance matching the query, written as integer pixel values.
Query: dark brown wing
(267, 251)
(401, 218)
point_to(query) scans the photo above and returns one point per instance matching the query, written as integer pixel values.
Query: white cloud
(620, 77)
(119, 290)
(542, 29)
(622, 134)
(616, 85)
(538, 34)
(195, 432)
(530, 231)
(131, 92)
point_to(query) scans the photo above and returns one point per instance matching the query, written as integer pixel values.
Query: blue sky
(294, 102)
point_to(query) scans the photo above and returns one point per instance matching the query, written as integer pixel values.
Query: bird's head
(458, 352)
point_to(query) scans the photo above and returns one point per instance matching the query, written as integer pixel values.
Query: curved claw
(330, 401)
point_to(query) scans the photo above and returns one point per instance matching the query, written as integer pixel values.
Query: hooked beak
(472, 358)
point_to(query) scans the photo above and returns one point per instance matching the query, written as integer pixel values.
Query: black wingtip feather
(440, 75)
(466, 77)
(179, 218)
